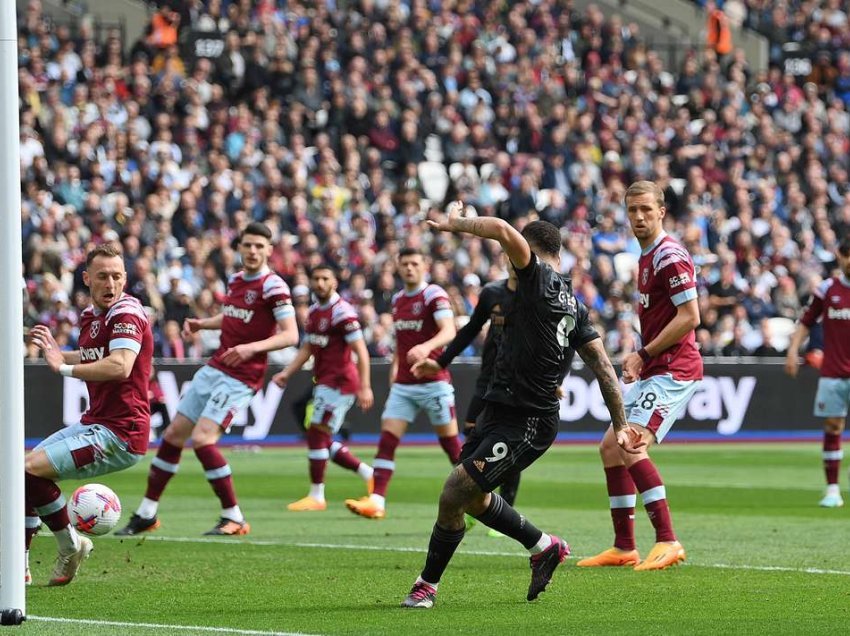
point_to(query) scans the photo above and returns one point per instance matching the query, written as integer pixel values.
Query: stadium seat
(435, 180)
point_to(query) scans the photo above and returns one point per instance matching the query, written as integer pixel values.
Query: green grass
(748, 507)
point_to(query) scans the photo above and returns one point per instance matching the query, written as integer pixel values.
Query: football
(94, 509)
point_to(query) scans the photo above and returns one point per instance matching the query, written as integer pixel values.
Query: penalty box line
(375, 548)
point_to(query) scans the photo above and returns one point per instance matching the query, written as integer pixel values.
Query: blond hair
(645, 187)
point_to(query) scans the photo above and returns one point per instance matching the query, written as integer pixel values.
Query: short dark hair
(844, 247)
(107, 250)
(255, 228)
(409, 251)
(544, 237)
(326, 267)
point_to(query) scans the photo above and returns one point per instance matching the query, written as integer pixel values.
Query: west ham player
(830, 304)
(494, 304)
(332, 334)
(520, 418)
(114, 360)
(256, 317)
(424, 324)
(667, 369)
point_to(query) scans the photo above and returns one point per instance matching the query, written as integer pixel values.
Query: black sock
(509, 488)
(502, 517)
(440, 550)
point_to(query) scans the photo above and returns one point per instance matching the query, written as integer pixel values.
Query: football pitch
(763, 558)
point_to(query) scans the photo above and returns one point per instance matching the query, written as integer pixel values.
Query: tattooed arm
(594, 356)
(515, 246)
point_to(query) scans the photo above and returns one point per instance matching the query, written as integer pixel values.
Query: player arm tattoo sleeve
(594, 356)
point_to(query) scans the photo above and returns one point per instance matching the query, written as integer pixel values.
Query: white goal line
(192, 628)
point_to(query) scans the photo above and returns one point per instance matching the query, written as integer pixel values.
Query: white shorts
(215, 396)
(330, 407)
(437, 399)
(657, 402)
(833, 397)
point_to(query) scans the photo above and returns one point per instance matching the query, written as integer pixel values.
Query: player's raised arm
(116, 366)
(515, 246)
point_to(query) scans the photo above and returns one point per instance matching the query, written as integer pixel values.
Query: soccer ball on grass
(94, 509)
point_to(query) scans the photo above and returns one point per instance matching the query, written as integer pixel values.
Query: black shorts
(506, 440)
(476, 406)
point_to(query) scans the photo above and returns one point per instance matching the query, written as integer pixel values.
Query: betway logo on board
(715, 397)
(244, 315)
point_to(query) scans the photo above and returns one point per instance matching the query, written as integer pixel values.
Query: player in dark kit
(494, 304)
(831, 306)
(520, 417)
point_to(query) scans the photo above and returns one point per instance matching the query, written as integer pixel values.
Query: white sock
(833, 489)
(317, 491)
(27, 559)
(68, 539)
(419, 579)
(147, 509)
(233, 513)
(379, 500)
(365, 471)
(544, 542)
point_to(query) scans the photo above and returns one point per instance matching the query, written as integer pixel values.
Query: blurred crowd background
(344, 126)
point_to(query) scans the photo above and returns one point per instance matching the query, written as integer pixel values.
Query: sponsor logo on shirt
(124, 329)
(318, 340)
(409, 325)
(838, 314)
(91, 354)
(680, 279)
(239, 313)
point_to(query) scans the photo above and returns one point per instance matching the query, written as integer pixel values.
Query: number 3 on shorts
(500, 451)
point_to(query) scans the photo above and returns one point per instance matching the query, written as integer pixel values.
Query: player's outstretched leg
(318, 443)
(163, 468)
(45, 497)
(621, 497)
(832, 456)
(547, 551)
(508, 491)
(667, 550)
(374, 505)
(441, 548)
(342, 456)
(218, 474)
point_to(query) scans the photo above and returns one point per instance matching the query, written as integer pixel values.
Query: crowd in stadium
(345, 130)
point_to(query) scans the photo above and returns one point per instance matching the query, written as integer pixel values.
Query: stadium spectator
(202, 150)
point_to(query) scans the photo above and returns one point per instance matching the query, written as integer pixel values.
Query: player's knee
(834, 425)
(175, 436)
